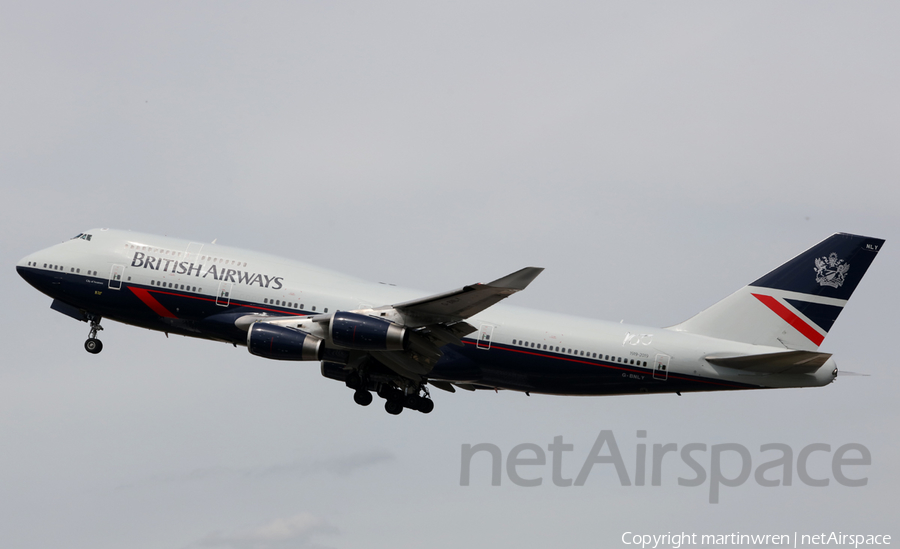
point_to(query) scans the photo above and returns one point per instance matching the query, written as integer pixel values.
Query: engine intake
(281, 343)
(366, 333)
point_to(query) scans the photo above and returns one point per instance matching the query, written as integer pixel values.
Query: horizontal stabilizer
(789, 362)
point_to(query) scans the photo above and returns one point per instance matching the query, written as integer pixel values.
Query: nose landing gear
(94, 345)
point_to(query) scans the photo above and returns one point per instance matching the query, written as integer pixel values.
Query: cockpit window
(83, 236)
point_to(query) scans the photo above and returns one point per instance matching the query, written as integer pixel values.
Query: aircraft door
(115, 277)
(223, 296)
(661, 369)
(484, 336)
(192, 253)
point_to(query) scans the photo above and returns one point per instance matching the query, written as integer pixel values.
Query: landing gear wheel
(393, 406)
(420, 403)
(426, 405)
(93, 346)
(362, 397)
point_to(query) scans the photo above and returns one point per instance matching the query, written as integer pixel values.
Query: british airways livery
(397, 343)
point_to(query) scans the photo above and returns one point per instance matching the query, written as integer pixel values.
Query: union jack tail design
(795, 305)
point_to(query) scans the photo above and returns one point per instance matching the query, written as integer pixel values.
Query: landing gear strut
(94, 345)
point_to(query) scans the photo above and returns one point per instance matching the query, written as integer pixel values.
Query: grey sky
(653, 157)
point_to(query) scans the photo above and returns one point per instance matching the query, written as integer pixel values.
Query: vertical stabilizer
(795, 305)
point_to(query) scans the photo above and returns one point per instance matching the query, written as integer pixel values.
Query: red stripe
(151, 302)
(798, 323)
(234, 302)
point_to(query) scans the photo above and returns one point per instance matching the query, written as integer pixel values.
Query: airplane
(379, 338)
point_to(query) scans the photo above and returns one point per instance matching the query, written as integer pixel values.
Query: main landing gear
(94, 345)
(395, 399)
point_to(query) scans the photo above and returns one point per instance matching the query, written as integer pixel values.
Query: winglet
(518, 280)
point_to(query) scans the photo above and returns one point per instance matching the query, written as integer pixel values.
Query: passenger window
(265, 300)
(326, 309)
(314, 307)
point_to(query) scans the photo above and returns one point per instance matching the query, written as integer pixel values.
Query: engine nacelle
(366, 333)
(281, 343)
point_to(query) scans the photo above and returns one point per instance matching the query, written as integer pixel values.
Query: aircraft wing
(430, 323)
(467, 301)
(439, 320)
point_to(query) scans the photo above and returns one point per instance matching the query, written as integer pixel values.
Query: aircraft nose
(28, 270)
(22, 266)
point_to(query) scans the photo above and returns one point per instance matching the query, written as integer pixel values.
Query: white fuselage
(218, 277)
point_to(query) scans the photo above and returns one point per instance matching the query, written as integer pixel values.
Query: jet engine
(282, 343)
(366, 333)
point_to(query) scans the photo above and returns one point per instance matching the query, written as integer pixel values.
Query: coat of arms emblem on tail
(831, 271)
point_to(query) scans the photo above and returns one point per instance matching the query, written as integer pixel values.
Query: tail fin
(795, 305)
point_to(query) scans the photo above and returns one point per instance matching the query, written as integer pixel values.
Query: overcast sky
(652, 156)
